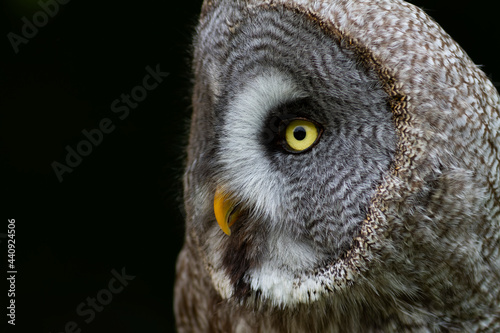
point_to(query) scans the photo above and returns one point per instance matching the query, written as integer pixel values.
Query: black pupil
(299, 133)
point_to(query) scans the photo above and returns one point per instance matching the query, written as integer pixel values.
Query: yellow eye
(301, 135)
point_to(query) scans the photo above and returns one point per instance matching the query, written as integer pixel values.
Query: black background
(121, 207)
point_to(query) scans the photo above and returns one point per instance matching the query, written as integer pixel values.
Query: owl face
(292, 136)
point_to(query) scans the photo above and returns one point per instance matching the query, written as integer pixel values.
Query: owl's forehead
(252, 45)
(258, 61)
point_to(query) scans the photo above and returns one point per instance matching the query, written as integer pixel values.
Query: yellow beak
(226, 212)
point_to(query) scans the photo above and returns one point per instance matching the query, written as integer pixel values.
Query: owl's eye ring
(299, 135)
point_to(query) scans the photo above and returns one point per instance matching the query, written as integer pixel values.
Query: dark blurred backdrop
(119, 208)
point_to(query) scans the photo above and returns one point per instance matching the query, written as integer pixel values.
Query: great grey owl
(342, 173)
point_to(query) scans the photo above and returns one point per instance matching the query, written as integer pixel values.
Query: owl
(342, 173)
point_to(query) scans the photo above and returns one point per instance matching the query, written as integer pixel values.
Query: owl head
(341, 152)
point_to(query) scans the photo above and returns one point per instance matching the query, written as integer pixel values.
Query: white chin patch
(281, 276)
(283, 287)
